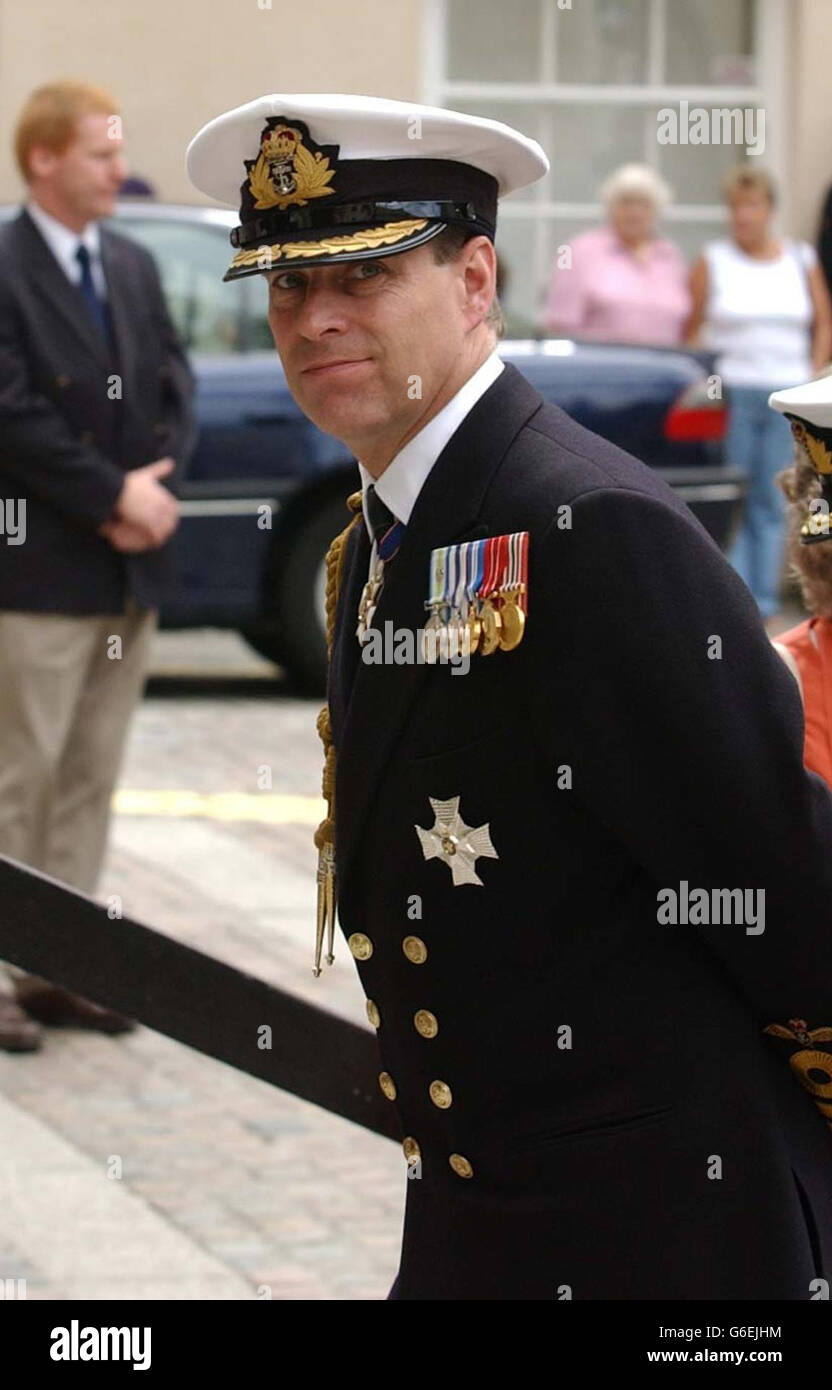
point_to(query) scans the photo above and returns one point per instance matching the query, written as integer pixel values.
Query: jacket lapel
(118, 279)
(50, 282)
(446, 511)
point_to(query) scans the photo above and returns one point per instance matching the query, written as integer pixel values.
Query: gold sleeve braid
(325, 833)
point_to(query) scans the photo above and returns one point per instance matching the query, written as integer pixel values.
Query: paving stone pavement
(134, 1167)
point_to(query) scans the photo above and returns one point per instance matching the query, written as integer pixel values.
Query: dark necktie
(98, 309)
(385, 530)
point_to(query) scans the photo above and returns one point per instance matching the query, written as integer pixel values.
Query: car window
(192, 259)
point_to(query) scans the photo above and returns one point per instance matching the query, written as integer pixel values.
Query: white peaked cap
(811, 402)
(364, 128)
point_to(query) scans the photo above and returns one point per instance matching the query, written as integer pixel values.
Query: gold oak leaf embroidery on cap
(286, 171)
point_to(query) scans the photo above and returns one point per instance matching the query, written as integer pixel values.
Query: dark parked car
(265, 489)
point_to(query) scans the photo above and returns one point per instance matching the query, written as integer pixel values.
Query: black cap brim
(333, 246)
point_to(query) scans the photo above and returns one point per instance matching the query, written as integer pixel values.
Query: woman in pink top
(622, 283)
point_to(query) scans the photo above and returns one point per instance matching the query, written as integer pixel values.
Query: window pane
(710, 41)
(602, 40)
(192, 260)
(696, 171)
(587, 144)
(489, 43)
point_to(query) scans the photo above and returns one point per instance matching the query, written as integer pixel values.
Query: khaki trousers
(68, 686)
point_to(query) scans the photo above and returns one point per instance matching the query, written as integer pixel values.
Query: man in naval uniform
(583, 876)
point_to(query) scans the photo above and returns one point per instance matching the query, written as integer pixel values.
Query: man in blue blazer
(96, 423)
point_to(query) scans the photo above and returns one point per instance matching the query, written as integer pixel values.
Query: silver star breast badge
(457, 844)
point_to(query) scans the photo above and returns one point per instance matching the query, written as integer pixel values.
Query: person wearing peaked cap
(806, 648)
(581, 716)
(807, 484)
(332, 179)
(808, 408)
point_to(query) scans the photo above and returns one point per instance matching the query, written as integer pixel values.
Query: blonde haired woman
(623, 282)
(761, 303)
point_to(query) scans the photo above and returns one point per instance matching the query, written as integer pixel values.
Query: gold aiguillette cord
(325, 833)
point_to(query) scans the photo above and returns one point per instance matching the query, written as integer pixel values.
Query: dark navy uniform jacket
(594, 1110)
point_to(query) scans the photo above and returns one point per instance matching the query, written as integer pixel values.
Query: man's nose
(323, 311)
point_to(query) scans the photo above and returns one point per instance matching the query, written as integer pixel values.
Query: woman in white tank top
(762, 305)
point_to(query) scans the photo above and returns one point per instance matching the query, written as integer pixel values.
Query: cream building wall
(810, 110)
(173, 64)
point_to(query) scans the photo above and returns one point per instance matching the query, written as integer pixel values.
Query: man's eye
(289, 280)
(368, 270)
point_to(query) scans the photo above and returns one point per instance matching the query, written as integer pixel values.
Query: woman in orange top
(807, 651)
(807, 484)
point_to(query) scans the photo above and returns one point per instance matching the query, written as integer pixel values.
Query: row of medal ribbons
(478, 597)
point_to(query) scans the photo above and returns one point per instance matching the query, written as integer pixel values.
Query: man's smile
(339, 366)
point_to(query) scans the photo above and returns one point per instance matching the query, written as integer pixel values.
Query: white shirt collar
(62, 241)
(405, 475)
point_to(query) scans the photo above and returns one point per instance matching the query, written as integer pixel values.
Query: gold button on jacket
(440, 1094)
(360, 945)
(412, 1152)
(372, 1012)
(461, 1166)
(415, 949)
(426, 1023)
(387, 1084)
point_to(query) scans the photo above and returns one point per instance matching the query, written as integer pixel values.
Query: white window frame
(771, 49)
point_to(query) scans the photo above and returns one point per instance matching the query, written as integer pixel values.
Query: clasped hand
(146, 513)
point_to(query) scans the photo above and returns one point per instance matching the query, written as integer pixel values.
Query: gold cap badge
(291, 168)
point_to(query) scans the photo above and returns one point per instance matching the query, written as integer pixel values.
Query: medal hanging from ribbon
(490, 616)
(478, 597)
(383, 550)
(436, 597)
(369, 597)
(456, 626)
(513, 610)
(472, 569)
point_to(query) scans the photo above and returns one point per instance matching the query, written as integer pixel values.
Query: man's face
(368, 346)
(86, 176)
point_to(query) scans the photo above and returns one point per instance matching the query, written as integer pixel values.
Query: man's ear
(41, 161)
(480, 275)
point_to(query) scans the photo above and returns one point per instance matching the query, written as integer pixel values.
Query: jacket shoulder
(12, 244)
(553, 460)
(127, 248)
